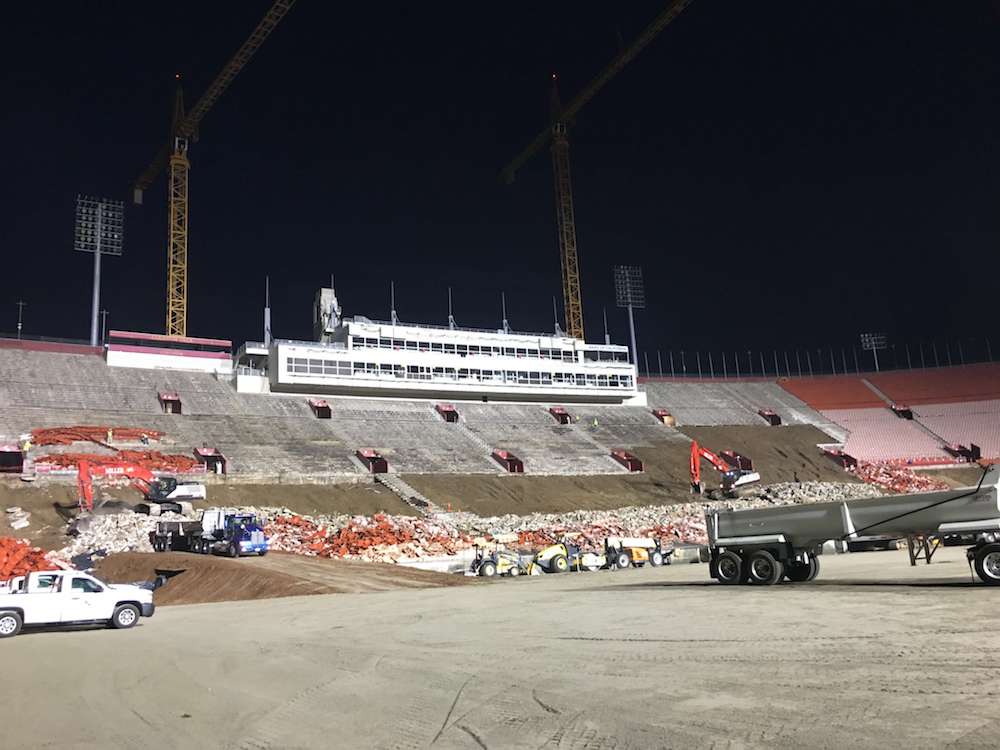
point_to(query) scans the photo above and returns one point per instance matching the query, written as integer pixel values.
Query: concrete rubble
(18, 518)
(897, 480)
(385, 538)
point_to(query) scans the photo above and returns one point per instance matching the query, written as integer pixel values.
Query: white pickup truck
(65, 597)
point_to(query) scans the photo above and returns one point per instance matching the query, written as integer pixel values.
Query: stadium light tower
(630, 294)
(100, 228)
(873, 342)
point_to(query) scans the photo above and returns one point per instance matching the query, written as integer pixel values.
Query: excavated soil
(780, 454)
(964, 476)
(197, 579)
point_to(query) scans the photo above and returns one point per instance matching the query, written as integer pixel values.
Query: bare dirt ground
(873, 654)
(779, 453)
(965, 476)
(195, 579)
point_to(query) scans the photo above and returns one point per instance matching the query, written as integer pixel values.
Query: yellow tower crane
(558, 133)
(174, 154)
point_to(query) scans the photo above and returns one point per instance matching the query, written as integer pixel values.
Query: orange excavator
(736, 472)
(161, 494)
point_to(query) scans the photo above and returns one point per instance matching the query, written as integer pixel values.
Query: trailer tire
(729, 568)
(987, 564)
(802, 572)
(10, 624)
(125, 616)
(763, 569)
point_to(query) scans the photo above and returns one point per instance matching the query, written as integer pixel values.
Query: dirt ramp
(197, 579)
(780, 454)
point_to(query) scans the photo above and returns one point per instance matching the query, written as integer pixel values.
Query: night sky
(788, 173)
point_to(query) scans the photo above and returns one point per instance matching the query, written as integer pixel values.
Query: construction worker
(111, 435)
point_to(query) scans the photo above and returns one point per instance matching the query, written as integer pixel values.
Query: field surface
(874, 654)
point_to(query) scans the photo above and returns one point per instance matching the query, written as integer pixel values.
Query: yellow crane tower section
(558, 134)
(174, 156)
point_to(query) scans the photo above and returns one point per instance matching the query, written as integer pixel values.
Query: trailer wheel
(763, 569)
(729, 568)
(987, 563)
(656, 559)
(10, 624)
(801, 572)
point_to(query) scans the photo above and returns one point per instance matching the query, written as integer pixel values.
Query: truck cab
(70, 597)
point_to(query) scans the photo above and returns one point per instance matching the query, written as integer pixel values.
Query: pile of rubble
(897, 480)
(18, 558)
(17, 518)
(101, 535)
(152, 460)
(380, 538)
(91, 434)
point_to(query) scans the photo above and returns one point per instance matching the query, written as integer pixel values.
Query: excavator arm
(140, 479)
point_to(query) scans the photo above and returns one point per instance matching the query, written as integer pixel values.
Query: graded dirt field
(196, 579)
(874, 654)
(960, 476)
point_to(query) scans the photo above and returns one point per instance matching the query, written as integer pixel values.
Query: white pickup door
(68, 597)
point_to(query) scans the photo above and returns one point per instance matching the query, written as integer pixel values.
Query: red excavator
(161, 494)
(736, 470)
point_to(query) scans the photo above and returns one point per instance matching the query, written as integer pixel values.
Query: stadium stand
(278, 435)
(732, 403)
(964, 423)
(832, 392)
(879, 435)
(942, 385)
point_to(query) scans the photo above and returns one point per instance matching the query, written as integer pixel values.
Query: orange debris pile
(18, 558)
(380, 538)
(897, 480)
(152, 460)
(90, 433)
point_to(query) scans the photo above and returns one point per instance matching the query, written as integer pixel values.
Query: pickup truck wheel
(987, 564)
(763, 569)
(10, 624)
(125, 616)
(729, 568)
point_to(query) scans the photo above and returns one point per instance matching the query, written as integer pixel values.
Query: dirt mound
(197, 579)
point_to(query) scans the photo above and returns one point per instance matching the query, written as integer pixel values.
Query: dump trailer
(219, 530)
(765, 545)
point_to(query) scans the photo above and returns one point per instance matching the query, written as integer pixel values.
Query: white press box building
(361, 357)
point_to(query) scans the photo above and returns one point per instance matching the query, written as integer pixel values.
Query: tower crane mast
(174, 156)
(557, 133)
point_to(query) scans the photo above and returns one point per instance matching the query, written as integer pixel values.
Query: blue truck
(218, 531)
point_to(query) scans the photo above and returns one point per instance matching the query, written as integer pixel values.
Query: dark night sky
(788, 173)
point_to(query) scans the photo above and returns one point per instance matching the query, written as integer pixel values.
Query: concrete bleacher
(940, 385)
(964, 423)
(732, 403)
(545, 447)
(266, 435)
(878, 435)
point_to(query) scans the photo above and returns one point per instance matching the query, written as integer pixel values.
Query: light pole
(104, 326)
(630, 294)
(21, 304)
(873, 342)
(100, 229)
